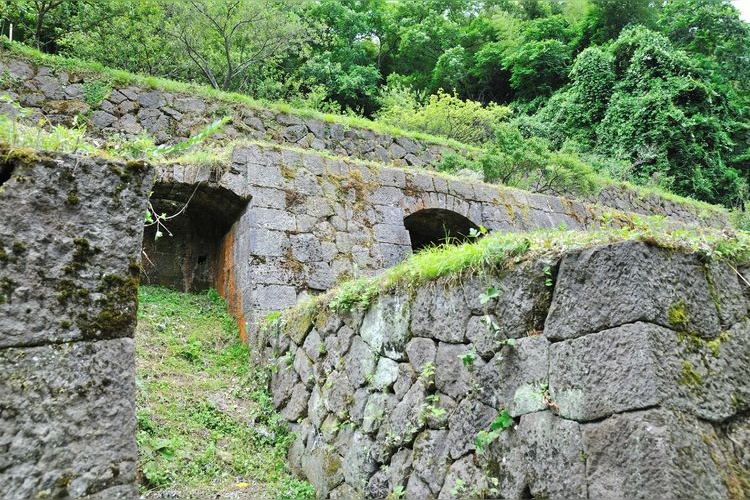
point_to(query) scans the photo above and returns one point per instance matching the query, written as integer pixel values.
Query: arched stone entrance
(434, 226)
(189, 256)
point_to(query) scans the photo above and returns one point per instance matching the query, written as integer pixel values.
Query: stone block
(360, 362)
(150, 100)
(464, 480)
(276, 220)
(440, 312)
(273, 297)
(431, 459)
(358, 464)
(323, 468)
(386, 326)
(385, 374)
(642, 365)
(608, 372)
(421, 351)
(391, 233)
(69, 245)
(68, 420)
(650, 454)
(453, 375)
(516, 377)
(268, 243)
(627, 282)
(470, 417)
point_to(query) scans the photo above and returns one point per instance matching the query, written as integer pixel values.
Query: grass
(508, 249)
(206, 423)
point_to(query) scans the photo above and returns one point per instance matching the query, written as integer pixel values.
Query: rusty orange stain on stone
(226, 283)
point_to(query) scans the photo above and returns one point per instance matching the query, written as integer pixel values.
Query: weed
(548, 277)
(468, 359)
(398, 492)
(492, 293)
(502, 422)
(95, 91)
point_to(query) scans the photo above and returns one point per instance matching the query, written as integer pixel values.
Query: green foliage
(94, 92)
(654, 109)
(502, 422)
(529, 164)
(655, 92)
(443, 114)
(16, 133)
(492, 293)
(206, 422)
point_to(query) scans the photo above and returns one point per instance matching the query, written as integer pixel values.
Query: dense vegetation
(651, 92)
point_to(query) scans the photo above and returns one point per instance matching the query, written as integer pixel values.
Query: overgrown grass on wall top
(508, 249)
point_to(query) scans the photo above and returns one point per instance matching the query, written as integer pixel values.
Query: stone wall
(172, 116)
(61, 96)
(312, 221)
(70, 242)
(626, 376)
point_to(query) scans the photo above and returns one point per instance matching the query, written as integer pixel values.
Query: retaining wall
(131, 110)
(61, 96)
(70, 242)
(311, 221)
(626, 377)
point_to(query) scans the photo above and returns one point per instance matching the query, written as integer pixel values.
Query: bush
(443, 114)
(529, 164)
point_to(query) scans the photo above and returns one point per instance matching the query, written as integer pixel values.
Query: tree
(228, 39)
(135, 39)
(712, 28)
(43, 23)
(607, 18)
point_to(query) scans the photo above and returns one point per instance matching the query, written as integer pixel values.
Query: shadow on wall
(191, 257)
(435, 226)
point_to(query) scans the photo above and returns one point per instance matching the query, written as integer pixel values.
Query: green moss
(117, 307)
(73, 198)
(715, 345)
(19, 248)
(134, 268)
(25, 156)
(331, 465)
(7, 287)
(82, 254)
(288, 172)
(69, 290)
(677, 316)
(688, 375)
(4, 255)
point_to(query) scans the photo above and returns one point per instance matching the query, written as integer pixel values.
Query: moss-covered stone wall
(70, 239)
(619, 371)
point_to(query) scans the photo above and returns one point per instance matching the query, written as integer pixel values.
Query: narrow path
(206, 424)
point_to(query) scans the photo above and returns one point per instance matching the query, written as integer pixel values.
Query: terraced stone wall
(60, 97)
(131, 110)
(312, 221)
(70, 240)
(625, 376)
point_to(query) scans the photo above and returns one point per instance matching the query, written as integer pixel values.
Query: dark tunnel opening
(188, 254)
(435, 226)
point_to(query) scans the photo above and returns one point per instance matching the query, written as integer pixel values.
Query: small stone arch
(191, 258)
(434, 226)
